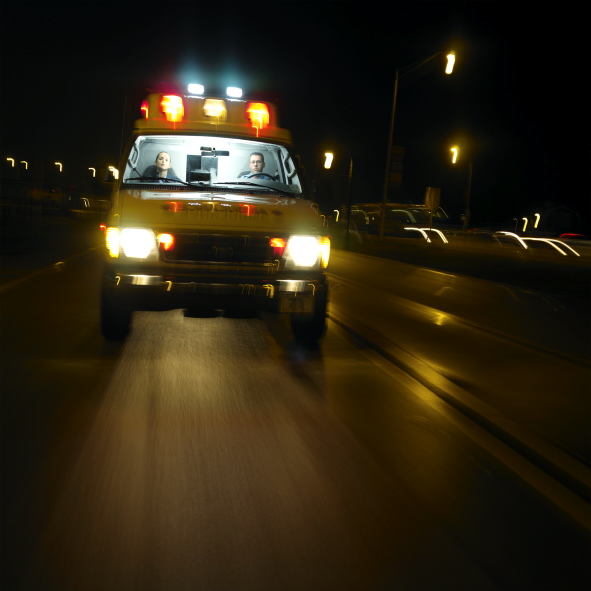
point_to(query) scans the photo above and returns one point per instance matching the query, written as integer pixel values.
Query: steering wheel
(260, 174)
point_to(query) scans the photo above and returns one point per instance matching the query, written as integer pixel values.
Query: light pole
(455, 150)
(329, 156)
(448, 70)
(349, 200)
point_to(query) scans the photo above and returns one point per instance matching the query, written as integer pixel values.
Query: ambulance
(210, 213)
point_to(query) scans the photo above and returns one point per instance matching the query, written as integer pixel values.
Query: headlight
(135, 243)
(307, 252)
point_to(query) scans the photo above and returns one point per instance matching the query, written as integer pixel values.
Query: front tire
(115, 318)
(311, 327)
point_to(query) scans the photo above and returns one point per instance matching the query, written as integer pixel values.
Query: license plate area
(303, 304)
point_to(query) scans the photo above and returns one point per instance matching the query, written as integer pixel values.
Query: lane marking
(556, 475)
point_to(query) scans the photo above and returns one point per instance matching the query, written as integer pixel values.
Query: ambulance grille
(220, 248)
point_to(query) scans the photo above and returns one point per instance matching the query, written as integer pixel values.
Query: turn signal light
(278, 245)
(166, 241)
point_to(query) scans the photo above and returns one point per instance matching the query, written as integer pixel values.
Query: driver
(256, 165)
(162, 168)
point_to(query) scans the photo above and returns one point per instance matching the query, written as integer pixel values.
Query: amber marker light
(175, 206)
(247, 209)
(214, 108)
(144, 109)
(112, 241)
(324, 251)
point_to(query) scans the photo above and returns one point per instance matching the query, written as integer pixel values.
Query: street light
(451, 58)
(93, 171)
(60, 165)
(11, 160)
(26, 164)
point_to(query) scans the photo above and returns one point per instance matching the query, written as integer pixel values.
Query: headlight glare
(137, 243)
(302, 251)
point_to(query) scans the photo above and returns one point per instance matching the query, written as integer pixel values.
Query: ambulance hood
(215, 211)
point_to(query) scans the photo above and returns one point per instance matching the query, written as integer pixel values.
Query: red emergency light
(172, 107)
(258, 113)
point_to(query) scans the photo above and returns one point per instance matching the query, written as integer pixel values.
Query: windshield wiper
(250, 183)
(155, 179)
(259, 186)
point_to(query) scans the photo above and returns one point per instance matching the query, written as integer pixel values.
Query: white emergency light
(196, 88)
(234, 92)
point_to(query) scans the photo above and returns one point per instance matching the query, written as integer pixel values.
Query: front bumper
(157, 292)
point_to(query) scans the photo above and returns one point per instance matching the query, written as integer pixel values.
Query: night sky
(74, 74)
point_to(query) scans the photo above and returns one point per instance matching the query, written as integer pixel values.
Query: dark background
(74, 75)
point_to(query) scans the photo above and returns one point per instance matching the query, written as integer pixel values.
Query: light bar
(234, 92)
(196, 88)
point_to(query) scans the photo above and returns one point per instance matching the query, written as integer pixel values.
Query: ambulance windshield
(213, 161)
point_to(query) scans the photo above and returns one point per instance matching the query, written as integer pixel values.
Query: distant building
(558, 219)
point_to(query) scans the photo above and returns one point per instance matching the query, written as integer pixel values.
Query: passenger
(256, 165)
(162, 168)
